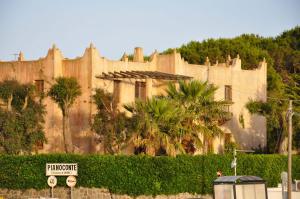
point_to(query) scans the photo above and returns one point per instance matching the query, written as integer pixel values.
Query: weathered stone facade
(84, 193)
(240, 85)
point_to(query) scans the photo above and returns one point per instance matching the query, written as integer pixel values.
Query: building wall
(246, 84)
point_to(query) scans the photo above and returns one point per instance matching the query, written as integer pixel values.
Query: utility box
(240, 187)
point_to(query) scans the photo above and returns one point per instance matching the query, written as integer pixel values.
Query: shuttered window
(228, 93)
(140, 90)
(116, 93)
(39, 86)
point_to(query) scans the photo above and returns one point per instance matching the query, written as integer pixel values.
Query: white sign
(233, 163)
(284, 176)
(61, 169)
(52, 181)
(71, 181)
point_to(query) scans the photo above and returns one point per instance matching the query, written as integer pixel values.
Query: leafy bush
(139, 175)
(21, 119)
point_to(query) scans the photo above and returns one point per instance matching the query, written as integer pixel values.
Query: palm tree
(204, 115)
(157, 124)
(64, 92)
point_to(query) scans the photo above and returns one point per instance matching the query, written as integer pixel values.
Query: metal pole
(284, 184)
(71, 192)
(282, 190)
(51, 192)
(290, 115)
(235, 161)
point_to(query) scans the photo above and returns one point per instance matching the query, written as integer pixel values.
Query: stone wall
(84, 193)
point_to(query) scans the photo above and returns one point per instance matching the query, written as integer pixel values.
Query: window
(117, 90)
(39, 86)
(228, 93)
(140, 90)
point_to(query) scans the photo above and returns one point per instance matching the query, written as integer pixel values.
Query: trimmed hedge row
(142, 175)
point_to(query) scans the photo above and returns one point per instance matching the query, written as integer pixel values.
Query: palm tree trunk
(9, 101)
(66, 133)
(25, 103)
(282, 140)
(282, 149)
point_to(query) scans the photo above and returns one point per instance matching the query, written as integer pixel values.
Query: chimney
(92, 45)
(138, 55)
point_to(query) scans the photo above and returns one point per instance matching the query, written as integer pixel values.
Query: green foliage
(64, 92)
(283, 57)
(203, 115)
(230, 146)
(286, 51)
(247, 46)
(7, 88)
(112, 126)
(174, 124)
(20, 132)
(21, 125)
(143, 175)
(293, 92)
(12, 90)
(157, 125)
(275, 112)
(130, 58)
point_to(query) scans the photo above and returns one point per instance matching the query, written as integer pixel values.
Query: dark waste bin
(240, 187)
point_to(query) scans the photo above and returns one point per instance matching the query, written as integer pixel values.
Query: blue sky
(116, 26)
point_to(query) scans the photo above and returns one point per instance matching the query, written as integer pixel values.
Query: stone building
(128, 80)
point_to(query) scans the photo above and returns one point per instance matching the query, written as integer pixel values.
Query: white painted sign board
(52, 181)
(61, 169)
(71, 181)
(284, 177)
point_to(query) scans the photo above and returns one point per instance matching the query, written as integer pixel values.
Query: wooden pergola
(141, 75)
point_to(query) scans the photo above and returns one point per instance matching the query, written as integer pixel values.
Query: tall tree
(64, 92)
(178, 122)
(111, 125)
(275, 112)
(157, 126)
(21, 118)
(204, 114)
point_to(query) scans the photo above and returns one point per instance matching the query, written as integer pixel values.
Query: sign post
(71, 182)
(234, 162)
(284, 180)
(52, 181)
(62, 169)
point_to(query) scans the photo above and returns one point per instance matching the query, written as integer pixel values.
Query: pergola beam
(142, 75)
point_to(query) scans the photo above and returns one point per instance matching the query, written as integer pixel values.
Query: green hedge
(139, 175)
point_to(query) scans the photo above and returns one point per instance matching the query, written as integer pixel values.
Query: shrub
(142, 175)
